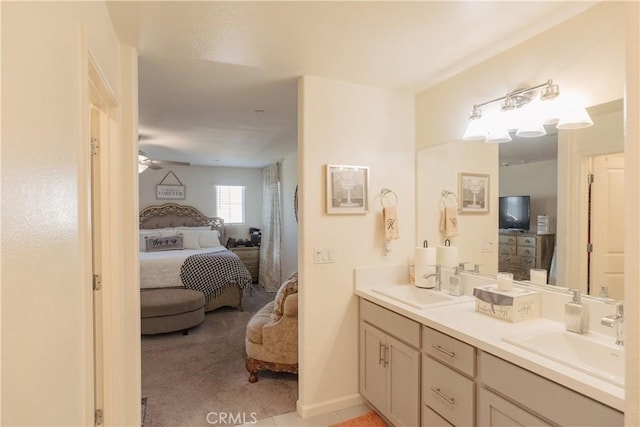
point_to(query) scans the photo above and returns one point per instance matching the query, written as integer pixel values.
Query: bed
(180, 247)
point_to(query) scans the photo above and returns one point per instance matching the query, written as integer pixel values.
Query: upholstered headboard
(174, 215)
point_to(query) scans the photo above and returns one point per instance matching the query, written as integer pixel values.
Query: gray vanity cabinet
(512, 395)
(390, 363)
(448, 387)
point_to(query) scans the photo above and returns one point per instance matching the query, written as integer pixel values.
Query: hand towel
(390, 218)
(449, 222)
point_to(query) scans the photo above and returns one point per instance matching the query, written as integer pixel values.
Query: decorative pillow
(189, 239)
(164, 243)
(290, 286)
(144, 235)
(208, 239)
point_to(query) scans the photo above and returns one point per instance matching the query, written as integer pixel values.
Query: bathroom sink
(419, 297)
(592, 353)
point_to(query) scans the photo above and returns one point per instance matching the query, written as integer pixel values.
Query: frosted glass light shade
(498, 136)
(476, 131)
(574, 118)
(142, 168)
(531, 130)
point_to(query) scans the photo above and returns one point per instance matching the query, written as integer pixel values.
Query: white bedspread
(161, 269)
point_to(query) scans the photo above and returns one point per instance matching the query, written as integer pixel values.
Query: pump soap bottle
(576, 315)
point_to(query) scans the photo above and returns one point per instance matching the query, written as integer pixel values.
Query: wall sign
(171, 191)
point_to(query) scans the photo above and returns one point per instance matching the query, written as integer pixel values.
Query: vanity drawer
(528, 251)
(448, 393)
(527, 241)
(450, 351)
(399, 326)
(507, 249)
(509, 240)
(430, 418)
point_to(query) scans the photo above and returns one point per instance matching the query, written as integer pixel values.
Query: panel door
(373, 372)
(403, 363)
(607, 225)
(494, 411)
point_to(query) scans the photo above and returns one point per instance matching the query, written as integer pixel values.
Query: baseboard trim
(307, 411)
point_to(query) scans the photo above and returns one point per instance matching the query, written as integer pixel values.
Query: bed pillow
(208, 239)
(167, 232)
(189, 239)
(290, 286)
(197, 228)
(144, 235)
(167, 243)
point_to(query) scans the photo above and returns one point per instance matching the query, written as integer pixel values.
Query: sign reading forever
(171, 192)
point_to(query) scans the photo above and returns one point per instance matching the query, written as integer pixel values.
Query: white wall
(343, 123)
(289, 181)
(46, 288)
(538, 180)
(200, 182)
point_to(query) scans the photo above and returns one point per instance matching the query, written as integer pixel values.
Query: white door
(98, 131)
(607, 225)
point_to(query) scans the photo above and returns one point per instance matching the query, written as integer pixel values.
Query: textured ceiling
(205, 67)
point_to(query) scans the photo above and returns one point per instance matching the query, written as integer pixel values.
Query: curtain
(270, 269)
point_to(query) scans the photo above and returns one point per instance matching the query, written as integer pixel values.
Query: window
(230, 203)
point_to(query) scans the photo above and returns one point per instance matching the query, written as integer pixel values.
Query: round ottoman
(170, 309)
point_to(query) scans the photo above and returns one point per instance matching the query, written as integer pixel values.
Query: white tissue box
(514, 306)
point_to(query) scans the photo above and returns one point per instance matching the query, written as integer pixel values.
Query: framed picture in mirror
(347, 189)
(473, 192)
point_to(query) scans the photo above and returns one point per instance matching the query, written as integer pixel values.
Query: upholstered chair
(271, 340)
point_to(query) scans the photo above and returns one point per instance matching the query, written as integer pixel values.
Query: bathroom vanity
(447, 364)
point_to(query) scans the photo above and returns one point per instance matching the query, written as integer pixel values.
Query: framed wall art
(170, 191)
(347, 189)
(473, 193)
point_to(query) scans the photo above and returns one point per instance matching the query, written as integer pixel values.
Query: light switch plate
(323, 255)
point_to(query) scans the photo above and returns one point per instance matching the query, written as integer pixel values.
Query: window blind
(230, 203)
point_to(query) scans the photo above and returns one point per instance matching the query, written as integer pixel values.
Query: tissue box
(514, 306)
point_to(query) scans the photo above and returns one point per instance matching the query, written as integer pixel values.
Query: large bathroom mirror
(585, 215)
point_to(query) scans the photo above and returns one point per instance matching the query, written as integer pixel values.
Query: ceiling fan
(145, 162)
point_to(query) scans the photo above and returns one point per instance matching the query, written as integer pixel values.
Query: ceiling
(218, 80)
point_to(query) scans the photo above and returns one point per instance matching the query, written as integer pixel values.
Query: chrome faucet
(437, 275)
(616, 320)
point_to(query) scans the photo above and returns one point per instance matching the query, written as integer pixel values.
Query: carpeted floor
(187, 378)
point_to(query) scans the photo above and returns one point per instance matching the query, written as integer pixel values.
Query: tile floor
(292, 419)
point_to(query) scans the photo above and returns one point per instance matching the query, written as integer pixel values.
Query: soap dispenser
(455, 284)
(576, 315)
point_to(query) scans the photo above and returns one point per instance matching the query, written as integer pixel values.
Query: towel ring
(384, 192)
(446, 194)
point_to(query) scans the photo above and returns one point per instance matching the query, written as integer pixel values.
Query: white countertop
(484, 332)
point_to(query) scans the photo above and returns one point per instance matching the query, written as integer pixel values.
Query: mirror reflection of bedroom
(218, 242)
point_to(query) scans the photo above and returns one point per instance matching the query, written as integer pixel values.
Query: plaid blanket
(212, 273)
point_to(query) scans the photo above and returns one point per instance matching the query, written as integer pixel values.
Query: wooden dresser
(520, 252)
(250, 256)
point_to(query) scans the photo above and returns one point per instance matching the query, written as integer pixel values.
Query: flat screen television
(515, 213)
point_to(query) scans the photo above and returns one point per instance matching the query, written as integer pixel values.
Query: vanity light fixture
(526, 113)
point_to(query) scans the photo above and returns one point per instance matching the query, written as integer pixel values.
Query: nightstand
(250, 256)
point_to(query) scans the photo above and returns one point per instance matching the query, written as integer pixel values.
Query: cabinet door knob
(381, 354)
